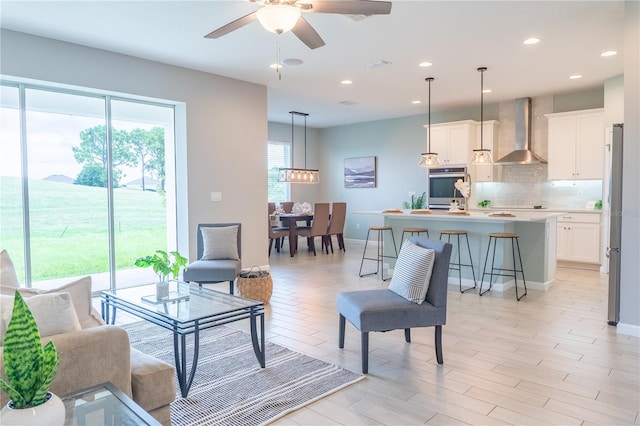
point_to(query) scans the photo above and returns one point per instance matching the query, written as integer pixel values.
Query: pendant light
(429, 159)
(482, 156)
(294, 175)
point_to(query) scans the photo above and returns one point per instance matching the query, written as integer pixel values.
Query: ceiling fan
(280, 16)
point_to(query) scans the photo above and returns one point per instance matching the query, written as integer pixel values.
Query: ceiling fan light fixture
(278, 18)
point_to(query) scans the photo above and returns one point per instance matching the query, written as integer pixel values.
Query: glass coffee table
(187, 309)
(104, 404)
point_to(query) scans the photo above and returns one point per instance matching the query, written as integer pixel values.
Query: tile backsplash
(527, 185)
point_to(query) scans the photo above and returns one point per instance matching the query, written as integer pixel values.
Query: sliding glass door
(87, 185)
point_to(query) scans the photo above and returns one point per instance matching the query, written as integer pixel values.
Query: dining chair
(319, 226)
(276, 233)
(287, 206)
(271, 208)
(336, 225)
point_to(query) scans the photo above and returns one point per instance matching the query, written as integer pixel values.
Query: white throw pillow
(220, 242)
(54, 313)
(412, 274)
(8, 276)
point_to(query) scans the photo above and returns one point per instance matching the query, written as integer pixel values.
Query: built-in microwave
(442, 190)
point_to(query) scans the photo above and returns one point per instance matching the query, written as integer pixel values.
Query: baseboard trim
(628, 329)
(579, 265)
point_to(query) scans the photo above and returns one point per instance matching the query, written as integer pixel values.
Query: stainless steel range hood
(522, 153)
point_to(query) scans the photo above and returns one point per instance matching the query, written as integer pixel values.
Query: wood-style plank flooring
(549, 359)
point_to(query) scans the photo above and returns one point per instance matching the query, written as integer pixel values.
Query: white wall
(226, 128)
(630, 247)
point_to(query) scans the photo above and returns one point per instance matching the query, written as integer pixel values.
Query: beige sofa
(94, 352)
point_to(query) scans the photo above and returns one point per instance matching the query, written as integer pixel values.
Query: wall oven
(442, 190)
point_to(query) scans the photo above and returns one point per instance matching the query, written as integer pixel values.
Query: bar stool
(412, 231)
(380, 255)
(494, 237)
(457, 266)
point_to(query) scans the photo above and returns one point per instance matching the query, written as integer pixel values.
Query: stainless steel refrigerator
(615, 233)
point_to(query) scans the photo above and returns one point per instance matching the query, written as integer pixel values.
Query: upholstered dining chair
(276, 234)
(271, 208)
(319, 226)
(218, 254)
(336, 225)
(287, 206)
(403, 305)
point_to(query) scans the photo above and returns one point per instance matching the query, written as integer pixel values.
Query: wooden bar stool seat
(380, 230)
(412, 231)
(457, 266)
(504, 272)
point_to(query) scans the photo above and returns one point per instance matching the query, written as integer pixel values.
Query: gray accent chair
(384, 310)
(213, 271)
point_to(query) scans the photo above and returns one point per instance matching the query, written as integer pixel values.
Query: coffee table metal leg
(258, 349)
(108, 312)
(180, 354)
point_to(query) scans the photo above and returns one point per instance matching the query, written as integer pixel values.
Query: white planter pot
(162, 289)
(51, 413)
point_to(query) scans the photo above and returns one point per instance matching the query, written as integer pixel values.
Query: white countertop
(546, 209)
(537, 215)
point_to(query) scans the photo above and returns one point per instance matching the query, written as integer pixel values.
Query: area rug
(230, 388)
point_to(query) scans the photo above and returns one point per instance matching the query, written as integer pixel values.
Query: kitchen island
(537, 231)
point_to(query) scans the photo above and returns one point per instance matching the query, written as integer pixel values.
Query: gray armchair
(384, 310)
(225, 266)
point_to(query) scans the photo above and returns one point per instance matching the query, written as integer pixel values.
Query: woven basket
(255, 284)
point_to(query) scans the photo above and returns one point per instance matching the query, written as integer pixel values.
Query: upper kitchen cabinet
(484, 172)
(576, 145)
(453, 141)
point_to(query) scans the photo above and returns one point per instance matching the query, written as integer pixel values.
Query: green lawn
(69, 227)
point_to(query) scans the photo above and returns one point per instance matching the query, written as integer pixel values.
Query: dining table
(290, 220)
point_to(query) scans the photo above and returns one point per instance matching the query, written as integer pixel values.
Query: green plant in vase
(30, 369)
(163, 264)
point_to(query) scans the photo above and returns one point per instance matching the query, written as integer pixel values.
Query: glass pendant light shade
(481, 156)
(278, 18)
(295, 175)
(429, 159)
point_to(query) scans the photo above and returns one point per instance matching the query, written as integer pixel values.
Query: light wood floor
(548, 359)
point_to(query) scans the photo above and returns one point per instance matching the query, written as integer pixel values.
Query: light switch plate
(216, 196)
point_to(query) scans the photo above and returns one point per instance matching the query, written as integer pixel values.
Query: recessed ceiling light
(348, 103)
(609, 53)
(416, 102)
(575, 76)
(292, 61)
(275, 66)
(346, 82)
(487, 91)
(532, 40)
(425, 64)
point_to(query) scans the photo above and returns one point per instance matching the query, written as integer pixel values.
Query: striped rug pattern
(230, 388)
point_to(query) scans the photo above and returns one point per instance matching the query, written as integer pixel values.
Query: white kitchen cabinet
(453, 141)
(576, 145)
(484, 172)
(578, 238)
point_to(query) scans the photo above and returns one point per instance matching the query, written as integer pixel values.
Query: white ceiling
(456, 36)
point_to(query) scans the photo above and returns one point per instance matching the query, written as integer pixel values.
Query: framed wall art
(360, 172)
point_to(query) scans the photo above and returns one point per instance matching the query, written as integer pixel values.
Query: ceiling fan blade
(305, 32)
(352, 7)
(231, 26)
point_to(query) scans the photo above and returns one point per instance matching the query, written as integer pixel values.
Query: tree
(92, 175)
(92, 151)
(148, 147)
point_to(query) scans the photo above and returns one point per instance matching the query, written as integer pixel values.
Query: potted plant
(30, 369)
(416, 202)
(163, 264)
